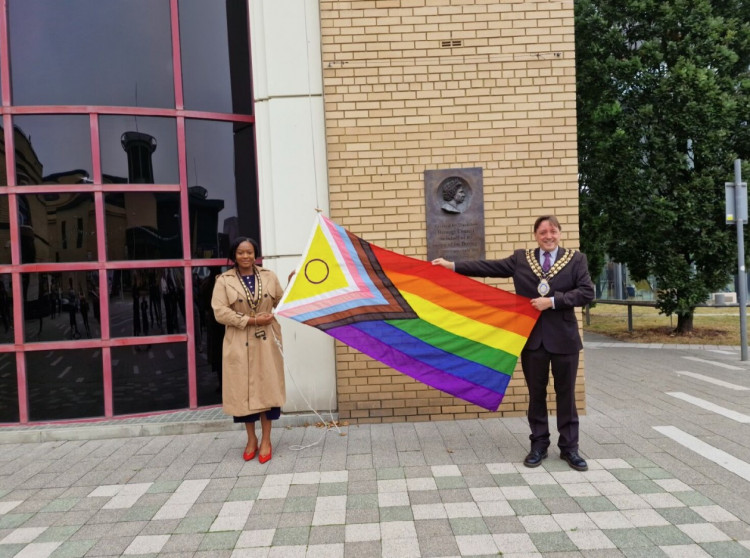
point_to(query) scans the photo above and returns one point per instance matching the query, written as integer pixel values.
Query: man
(557, 280)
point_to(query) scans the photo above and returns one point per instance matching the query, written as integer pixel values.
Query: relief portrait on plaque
(454, 211)
(454, 191)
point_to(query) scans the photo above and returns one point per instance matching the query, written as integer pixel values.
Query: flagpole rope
(296, 447)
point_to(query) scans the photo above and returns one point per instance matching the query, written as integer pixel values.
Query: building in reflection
(61, 227)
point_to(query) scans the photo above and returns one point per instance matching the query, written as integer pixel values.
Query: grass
(711, 326)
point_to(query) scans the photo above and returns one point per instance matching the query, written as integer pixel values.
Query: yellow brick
(397, 103)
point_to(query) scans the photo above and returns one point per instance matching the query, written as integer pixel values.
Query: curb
(47, 433)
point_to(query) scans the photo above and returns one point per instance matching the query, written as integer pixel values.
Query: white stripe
(127, 496)
(703, 404)
(38, 550)
(56, 361)
(720, 457)
(720, 364)
(711, 380)
(233, 516)
(722, 352)
(181, 500)
(67, 369)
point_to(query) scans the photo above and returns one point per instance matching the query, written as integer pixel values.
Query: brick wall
(411, 85)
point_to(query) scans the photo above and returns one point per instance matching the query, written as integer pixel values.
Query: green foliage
(663, 109)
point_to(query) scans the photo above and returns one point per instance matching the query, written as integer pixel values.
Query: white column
(292, 173)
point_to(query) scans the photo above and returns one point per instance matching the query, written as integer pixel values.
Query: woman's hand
(445, 263)
(263, 319)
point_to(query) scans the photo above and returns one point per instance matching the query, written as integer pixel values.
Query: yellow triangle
(320, 272)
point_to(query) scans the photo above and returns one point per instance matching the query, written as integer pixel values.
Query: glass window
(4, 228)
(6, 313)
(57, 227)
(89, 52)
(149, 378)
(8, 388)
(215, 78)
(138, 150)
(59, 306)
(52, 149)
(146, 302)
(65, 384)
(143, 225)
(209, 336)
(222, 186)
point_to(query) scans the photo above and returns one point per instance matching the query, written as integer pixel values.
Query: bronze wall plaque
(454, 200)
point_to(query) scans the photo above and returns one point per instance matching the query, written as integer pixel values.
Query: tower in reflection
(140, 148)
(152, 217)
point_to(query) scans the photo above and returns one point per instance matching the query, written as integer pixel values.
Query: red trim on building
(102, 266)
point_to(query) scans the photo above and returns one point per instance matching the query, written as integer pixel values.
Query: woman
(252, 364)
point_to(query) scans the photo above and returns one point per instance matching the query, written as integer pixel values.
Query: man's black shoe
(534, 459)
(574, 460)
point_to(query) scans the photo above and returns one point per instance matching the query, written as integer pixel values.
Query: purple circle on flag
(316, 271)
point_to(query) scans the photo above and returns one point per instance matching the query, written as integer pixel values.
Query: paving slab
(177, 485)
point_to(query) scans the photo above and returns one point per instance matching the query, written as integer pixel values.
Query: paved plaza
(666, 436)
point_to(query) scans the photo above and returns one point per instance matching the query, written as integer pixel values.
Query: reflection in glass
(138, 150)
(57, 227)
(89, 52)
(215, 78)
(143, 225)
(65, 384)
(223, 192)
(149, 378)
(6, 310)
(146, 302)
(209, 336)
(52, 149)
(4, 225)
(8, 388)
(59, 306)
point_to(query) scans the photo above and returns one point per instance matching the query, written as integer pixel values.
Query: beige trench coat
(252, 368)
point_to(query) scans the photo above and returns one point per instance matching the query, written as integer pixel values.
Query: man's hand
(445, 263)
(542, 303)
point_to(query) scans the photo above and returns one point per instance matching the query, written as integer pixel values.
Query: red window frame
(15, 269)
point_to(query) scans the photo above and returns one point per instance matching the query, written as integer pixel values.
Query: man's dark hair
(551, 218)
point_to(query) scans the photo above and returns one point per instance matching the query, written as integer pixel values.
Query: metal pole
(741, 275)
(618, 281)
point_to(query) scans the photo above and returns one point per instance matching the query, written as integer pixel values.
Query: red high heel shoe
(265, 458)
(248, 456)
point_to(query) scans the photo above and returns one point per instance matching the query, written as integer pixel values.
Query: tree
(663, 93)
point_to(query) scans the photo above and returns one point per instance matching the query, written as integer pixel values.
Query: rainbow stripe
(446, 330)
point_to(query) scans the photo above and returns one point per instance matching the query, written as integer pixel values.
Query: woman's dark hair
(236, 244)
(450, 187)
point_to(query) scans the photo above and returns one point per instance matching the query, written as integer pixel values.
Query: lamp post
(736, 201)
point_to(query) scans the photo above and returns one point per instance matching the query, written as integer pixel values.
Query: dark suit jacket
(556, 328)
